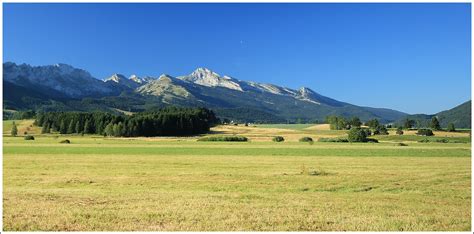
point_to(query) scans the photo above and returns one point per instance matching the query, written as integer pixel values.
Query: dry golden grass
(179, 184)
(22, 126)
(319, 127)
(255, 133)
(436, 133)
(164, 191)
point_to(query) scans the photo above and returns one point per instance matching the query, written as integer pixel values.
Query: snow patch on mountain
(306, 94)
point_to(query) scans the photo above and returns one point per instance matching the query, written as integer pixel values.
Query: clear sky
(414, 58)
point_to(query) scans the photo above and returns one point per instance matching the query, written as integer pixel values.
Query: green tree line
(170, 121)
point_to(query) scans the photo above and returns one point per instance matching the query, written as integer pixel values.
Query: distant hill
(460, 116)
(63, 87)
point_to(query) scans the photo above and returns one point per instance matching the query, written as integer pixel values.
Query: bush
(372, 140)
(380, 130)
(401, 144)
(424, 132)
(424, 141)
(332, 140)
(224, 138)
(278, 139)
(399, 131)
(442, 140)
(357, 135)
(367, 131)
(29, 138)
(306, 139)
(65, 141)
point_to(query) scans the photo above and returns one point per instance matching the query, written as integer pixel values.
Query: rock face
(60, 78)
(206, 77)
(202, 87)
(121, 80)
(164, 86)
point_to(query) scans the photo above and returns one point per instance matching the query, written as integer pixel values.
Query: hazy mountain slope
(18, 97)
(460, 116)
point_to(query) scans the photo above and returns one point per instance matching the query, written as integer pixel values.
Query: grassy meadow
(180, 184)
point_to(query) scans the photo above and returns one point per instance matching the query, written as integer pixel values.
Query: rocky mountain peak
(206, 77)
(204, 74)
(60, 78)
(136, 79)
(202, 87)
(63, 66)
(117, 78)
(165, 77)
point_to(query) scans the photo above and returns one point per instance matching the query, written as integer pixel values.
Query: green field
(170, 184)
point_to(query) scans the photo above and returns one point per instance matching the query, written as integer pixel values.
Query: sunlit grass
(170, 184)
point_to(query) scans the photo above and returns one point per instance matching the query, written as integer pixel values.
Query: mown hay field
(169, 184)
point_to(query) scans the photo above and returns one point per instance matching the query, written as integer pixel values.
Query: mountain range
(63, 87)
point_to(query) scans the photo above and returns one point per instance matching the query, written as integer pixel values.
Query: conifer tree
(14, 130)
(109, 129)
(87, 127)
(63, 127)
(435, 123)
(78, 127)
(71, 127)
(451, 127)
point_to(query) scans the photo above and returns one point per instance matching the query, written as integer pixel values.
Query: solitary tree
(408, 123)
(357, 135)
(451, 127)
(435, 123)
(14, 129)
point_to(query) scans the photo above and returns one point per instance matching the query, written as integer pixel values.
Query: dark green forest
(170, 121)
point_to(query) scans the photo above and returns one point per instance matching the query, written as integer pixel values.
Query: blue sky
(414, 58)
